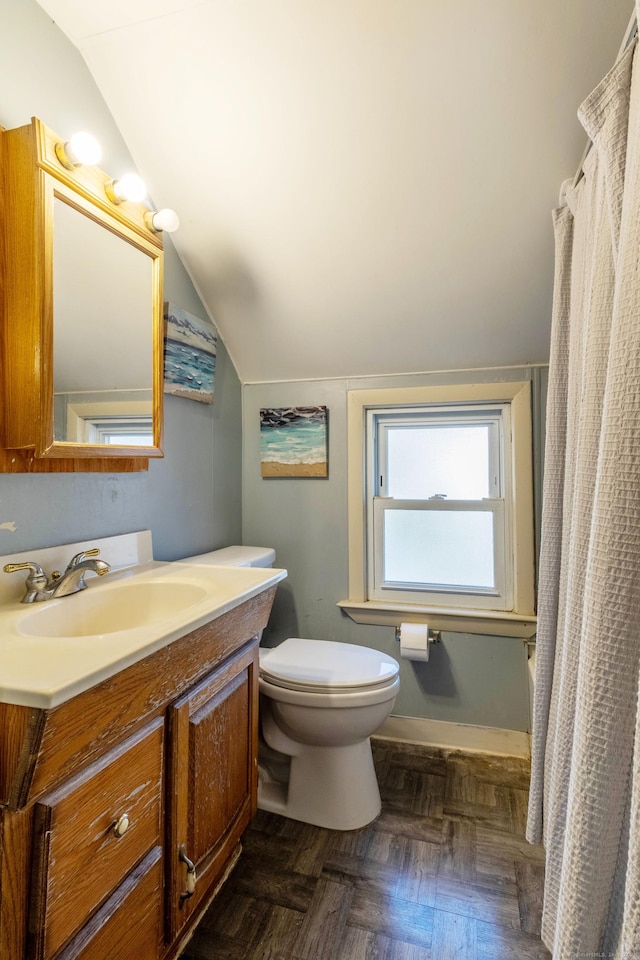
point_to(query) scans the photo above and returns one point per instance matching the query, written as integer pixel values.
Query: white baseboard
(456, 736)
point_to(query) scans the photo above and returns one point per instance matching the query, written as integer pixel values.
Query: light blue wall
(191, 499)
(468, 679)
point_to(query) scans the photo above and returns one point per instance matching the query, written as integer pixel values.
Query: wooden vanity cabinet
(106, 800)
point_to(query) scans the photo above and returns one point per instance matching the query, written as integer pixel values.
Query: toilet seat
(327, 667)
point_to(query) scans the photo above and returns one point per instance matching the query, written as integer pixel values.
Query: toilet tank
(237, 557)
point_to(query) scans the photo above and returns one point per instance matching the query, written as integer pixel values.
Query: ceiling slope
(364, 186)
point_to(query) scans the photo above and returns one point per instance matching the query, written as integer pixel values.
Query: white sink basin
(126, 606)
(55, 649)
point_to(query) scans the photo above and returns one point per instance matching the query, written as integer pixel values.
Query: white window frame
(85, 420)
(379, 421)
(520, 619)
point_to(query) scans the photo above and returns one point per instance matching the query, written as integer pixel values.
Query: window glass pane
(427, 460)
(128, 439)
(445, 547)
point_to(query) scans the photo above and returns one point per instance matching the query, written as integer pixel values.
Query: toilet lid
(326, 665)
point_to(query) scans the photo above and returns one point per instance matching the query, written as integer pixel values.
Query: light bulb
(160, 220)
(81, 150)
(129, 187)
(85, 148)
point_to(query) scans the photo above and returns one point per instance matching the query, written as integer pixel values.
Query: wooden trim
(254, 673)
(38, 888)
(89, 182)
(23, 255)
(46, 445)
(177, 806)
(25, 461)
(22, 729)
(16, 835)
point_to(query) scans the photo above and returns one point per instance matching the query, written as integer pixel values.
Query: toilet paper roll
(414, 641)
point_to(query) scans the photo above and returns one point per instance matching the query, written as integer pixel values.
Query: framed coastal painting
(293, 442)
(190, 347)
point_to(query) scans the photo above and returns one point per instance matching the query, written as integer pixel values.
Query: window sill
(490, 622)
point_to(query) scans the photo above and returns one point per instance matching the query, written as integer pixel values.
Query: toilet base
(332, 787)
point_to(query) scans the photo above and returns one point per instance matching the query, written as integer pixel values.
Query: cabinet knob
(121, 825)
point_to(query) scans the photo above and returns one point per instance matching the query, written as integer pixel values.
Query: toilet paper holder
(433, 635)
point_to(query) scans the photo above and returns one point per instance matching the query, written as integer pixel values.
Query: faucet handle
(79, 557)
(35, 568)
(36, 579)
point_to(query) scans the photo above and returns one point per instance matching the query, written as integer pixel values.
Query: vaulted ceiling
(364, 186)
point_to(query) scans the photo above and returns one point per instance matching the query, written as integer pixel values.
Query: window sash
(498, 597)
(383, 423)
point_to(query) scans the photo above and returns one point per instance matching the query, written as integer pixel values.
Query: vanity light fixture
(82, 150)
(159, 220)
(128, 187)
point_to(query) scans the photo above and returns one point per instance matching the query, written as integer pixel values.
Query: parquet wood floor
(444, 873)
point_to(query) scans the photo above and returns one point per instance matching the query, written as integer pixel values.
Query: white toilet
(320, 701)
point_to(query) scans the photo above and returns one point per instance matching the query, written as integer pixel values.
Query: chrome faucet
(40, 587)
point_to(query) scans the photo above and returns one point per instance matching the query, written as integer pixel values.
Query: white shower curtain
(585, 789)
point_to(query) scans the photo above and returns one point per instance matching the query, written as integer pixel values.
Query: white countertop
(45, 671)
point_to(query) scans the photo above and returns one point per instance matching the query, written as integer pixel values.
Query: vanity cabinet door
(213, 736)
(90, 834)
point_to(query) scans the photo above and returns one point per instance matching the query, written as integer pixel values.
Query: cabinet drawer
(129, 925)
(79, 859)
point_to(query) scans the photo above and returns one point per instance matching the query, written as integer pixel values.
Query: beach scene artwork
(293, 442)
(190, 346)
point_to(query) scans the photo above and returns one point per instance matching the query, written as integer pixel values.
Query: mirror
(102, 344)
(81, 352)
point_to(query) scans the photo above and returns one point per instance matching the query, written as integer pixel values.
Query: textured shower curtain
(585, 791)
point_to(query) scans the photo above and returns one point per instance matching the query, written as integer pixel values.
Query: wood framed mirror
(82, 331)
